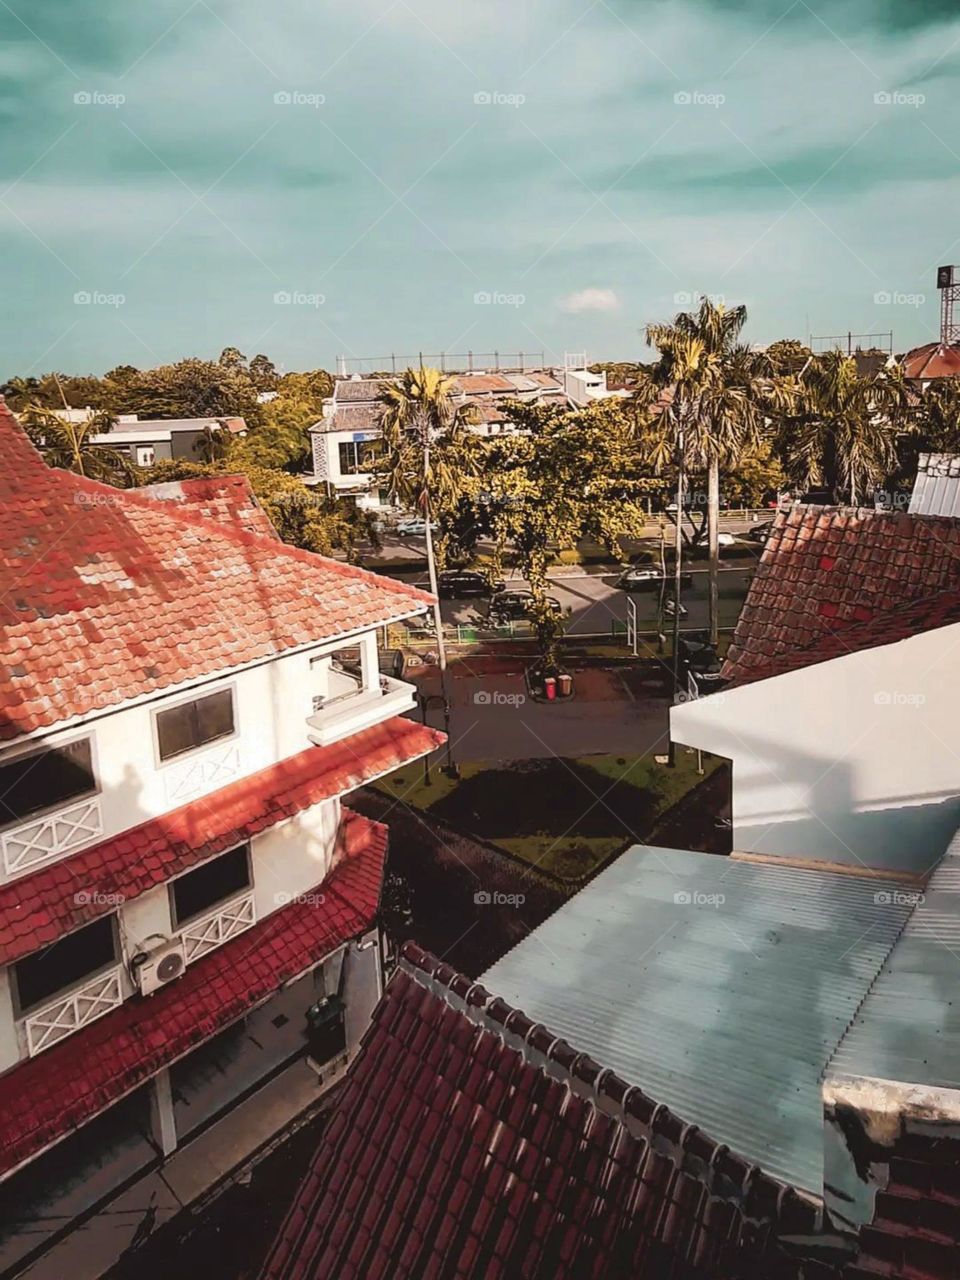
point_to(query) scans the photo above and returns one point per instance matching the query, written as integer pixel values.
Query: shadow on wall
(819, 818)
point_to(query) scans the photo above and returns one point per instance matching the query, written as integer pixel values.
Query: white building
(149, 440)
(187, 910)
(351, 421)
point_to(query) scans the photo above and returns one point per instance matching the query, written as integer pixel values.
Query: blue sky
(432, 175)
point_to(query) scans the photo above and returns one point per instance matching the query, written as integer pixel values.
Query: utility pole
(432, 571)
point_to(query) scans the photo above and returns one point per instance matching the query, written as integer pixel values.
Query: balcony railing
(217, 927)
(340, 716)
(51, 837)
(71, 1012)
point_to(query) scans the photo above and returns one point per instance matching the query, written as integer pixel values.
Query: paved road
(594, 602)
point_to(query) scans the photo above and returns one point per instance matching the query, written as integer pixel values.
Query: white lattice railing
(204, 772)
(68, 1014)
(211, 931)
(52, 836)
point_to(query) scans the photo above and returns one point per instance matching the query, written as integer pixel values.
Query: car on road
(411, 526)
(512, 606)
(461, 584)
(760, 532)
(726, 540)
(648, 578)
(669, 608)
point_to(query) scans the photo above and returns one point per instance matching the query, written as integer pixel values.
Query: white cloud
(590, 300)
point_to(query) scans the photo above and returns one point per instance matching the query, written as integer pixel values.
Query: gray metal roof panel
(727, 1011)
(908, 1027)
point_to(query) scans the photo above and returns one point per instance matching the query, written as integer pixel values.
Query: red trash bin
(550, 688)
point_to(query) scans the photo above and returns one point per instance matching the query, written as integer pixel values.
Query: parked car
(460, 584)
(670, 608)
(760, 532)
(411, 526)
(511, 606)
(726, 540)
(649, 578)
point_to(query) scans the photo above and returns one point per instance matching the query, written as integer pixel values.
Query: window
(351, 456)
(146, 455)
(45, 780)
(79, 955)
(193, 724)
(221, 878)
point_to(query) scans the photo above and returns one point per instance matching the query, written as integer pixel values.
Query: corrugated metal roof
(720, 987)
(937, 488)
(909, 1026)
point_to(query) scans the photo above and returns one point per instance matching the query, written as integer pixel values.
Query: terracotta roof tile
(452, 1152)
(933, 360)
(54, 1093)
(226, 498)
(108, 594)
(826, 570)
(37, 909)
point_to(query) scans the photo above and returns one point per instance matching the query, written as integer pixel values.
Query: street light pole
(432, 572)
(677, 574)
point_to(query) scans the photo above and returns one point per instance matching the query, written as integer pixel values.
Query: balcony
(51, 837)
(217, 927)
(69, 1013)
(350, 708)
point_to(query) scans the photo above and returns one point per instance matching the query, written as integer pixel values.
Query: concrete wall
(851, 761)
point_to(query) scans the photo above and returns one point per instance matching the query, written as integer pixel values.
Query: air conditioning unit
(158, 966)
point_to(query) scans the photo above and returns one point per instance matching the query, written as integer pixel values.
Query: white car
(726, 540)
(412, 527)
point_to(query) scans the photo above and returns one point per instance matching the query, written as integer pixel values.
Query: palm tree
(843, 432)
(71, 446)
(715, 395)
(427, 452)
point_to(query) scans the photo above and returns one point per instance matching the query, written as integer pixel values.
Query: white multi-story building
(187, 909)
(351, 421)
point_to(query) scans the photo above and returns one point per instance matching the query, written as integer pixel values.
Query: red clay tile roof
(37, 909)
(469, 1143)
(54, 1093)
(827, 569)
(915, 1232)
(485, 383)
(226, 498)
(899, 623)
(933, 360)
(107, 595)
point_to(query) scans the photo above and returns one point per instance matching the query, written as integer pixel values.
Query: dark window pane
(216, 880)
(193, 724)
(45, 779)
(40, 977)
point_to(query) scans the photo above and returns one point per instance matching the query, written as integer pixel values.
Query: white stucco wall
(272, 703)
(854, 761)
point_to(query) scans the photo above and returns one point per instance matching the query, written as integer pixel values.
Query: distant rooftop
(937, 488)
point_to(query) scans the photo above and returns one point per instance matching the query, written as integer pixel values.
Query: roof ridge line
(722, 1173)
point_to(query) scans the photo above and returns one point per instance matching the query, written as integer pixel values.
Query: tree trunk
(432, 573)
(713, 546)
(677, 574)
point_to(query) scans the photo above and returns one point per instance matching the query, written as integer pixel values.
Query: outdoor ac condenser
(158, 966)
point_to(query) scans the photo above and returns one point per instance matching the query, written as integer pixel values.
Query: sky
(315, 178)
